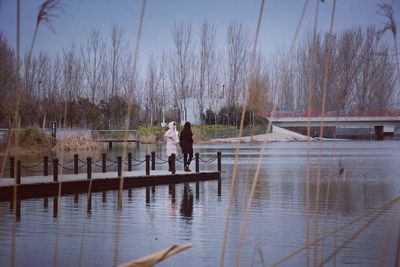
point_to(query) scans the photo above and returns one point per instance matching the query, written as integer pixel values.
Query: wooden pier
(44, 186)
(53, 183)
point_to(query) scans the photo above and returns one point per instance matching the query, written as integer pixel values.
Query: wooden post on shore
(119, 159)
(103, 162)
(129, 161)
(147, 164)
(18, 176)
(173, 169)
(219, 161)
(76, 163)
(197, 159)
(153, 160)
(12, 167)
(89, 168)
(46, 165)
(55, 170)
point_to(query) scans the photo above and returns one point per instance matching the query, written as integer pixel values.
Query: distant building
(191, 112)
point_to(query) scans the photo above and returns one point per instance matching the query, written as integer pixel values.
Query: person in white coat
(172, 140)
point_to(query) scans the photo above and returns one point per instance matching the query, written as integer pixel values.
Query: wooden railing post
(219, 161)
(18, 176)
(147, 164)
(153, 160)
(55, 170)
(76, 163)
(197, 159)
(12, 166)
(46, 165)
(119, 166)
(89, 168)
(103, 162)
(129, 161)
(173, 169)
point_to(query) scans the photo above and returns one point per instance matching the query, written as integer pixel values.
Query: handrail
(104, 164)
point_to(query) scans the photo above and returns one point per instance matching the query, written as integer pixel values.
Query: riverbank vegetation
(28, 140)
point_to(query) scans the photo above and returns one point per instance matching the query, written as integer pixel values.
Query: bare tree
(258, 103)
(7, 81)
(181, 65)
(238, 46)
(153, 79)
(116, 57)
(93, 55)
(346, 68)
(207, 66)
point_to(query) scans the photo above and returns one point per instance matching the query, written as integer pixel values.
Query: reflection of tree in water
(186, 209)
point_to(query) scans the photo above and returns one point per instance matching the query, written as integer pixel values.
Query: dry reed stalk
(310, 84)
(379, 210)
(154, 258)
(127, 123)
(256, 175)
(234, 171)
(389, 236)
(323, 108)
(386, 11)
(353, 236)
(13, 242)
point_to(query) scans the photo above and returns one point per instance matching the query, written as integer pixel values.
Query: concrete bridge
(376, 122)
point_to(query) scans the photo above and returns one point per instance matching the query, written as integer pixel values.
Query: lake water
(355, 179)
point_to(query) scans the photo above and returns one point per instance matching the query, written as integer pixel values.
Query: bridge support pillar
(378, 132)
(109, 145)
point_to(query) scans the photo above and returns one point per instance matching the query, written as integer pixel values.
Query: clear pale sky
(279, 22)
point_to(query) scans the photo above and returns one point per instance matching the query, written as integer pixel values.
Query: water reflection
(55, 207)
(196, 212)
(171, 201)
(186, 209)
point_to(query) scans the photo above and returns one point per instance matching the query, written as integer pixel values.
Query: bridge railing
(114, 134)
(318, 113)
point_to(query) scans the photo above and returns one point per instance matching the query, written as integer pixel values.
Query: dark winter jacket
(186, 139)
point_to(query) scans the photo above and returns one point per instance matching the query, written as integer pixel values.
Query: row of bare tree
(87, 85)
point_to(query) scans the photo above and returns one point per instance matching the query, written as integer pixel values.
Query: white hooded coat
(172, 139)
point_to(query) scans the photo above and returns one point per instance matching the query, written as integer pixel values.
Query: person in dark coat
(186, 143)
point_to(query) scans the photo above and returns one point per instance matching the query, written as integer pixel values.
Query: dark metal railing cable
(108, 159)
(139, 162)
(96, 164)
(65, 167)
(179, 160)
(83, 165)
(68, 162)
(34, 165)
(163, 160)
(135, 159)
(210, 160)
(27, 168)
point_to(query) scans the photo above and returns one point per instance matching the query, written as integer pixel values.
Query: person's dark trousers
(169, 164)
(187, 161)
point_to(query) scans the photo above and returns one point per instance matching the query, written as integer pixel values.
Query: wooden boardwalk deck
(44, 186)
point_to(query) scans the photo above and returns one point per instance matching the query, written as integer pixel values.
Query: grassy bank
(28, 140)
(201, 133)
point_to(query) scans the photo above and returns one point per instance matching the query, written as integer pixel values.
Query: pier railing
(76, 165)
